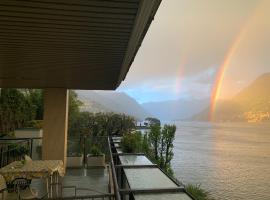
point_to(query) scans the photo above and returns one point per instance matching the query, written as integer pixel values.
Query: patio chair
(27, 158)
(23, 190)
(4, 194)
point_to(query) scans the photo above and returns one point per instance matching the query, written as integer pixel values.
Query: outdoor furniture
(4, 195)
(23, 190)
(27, 158)
(48, 169)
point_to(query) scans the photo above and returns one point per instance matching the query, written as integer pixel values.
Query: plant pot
(75, 161)
(95, 160)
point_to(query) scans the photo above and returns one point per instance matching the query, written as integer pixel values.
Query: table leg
(47, 187)
(51, 186)
(55, 182)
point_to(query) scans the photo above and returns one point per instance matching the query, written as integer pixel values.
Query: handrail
(116, 188)
(8, 153)
(98, 196)
(24, 138)
(152, 190)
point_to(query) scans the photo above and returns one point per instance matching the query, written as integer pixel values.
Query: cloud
(187, 43)
(194, 87)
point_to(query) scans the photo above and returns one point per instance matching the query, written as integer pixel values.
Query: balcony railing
(13, 149)
(139, 178)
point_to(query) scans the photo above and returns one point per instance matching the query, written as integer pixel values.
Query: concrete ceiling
(73, 44)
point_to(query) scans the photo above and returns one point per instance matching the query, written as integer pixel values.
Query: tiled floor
(92, 181)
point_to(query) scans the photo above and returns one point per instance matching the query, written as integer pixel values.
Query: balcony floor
(94, 180)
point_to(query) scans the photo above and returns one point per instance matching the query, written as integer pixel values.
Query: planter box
(75, 161)
(95, 161)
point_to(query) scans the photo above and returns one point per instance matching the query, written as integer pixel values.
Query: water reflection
(230, 160)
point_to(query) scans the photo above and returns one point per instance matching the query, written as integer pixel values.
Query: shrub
(95, 150)
(131, 142)
(197, 192)
(38, 124)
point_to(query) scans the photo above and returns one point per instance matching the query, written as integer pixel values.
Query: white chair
(4, 195)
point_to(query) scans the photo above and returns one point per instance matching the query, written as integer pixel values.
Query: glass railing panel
(134, 160)
(119, 150)
(138, 178)
(164, 196)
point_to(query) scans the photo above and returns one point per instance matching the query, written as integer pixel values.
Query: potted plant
(96, 158)
(74, 160)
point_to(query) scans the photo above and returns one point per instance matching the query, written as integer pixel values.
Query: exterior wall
(54, 144)
(28, 132)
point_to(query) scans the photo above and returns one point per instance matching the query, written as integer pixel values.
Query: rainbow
(227, 61)
(221, 73)
(180, 72)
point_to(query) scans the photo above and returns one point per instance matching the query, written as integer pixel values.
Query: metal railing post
(31, 148)
(84, 150)
(115, 183)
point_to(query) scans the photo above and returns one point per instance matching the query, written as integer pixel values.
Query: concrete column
(54, 143)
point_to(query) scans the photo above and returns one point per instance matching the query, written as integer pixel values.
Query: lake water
(232, 161)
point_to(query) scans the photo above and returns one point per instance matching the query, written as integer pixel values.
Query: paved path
(94, 180)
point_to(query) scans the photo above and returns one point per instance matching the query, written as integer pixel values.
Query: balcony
(80, 182)
(125, 175)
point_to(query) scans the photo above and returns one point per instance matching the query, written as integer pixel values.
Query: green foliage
(154, 138)
(197, 192)
(73, 109)
(131, 142)
(145, 144)
(38, 124)
(17, 107)
(153, 121)
(166, 146)
(36, 98)
(160, 142)
(18, 149)
(95, 150)
(101, 124)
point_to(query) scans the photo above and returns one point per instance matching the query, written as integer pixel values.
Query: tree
(100, 124)
(160, 143)
(73, 111)
(168, 136)
(36, 98)
(153, 121)
(154, 139)
(15, 110)
(145, 144)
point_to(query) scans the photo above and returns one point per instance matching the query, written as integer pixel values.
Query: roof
(75, 44)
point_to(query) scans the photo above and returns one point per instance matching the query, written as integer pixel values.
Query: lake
(231, 160)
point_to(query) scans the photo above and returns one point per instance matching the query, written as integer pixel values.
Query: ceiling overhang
(74, 44)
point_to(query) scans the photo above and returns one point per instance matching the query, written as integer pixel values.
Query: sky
(190, 41)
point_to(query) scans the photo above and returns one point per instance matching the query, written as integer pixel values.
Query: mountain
(252, 104)
(111, 101)
(175, 109)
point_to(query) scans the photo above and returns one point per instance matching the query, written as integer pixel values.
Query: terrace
(80, 182)
(124, 176)
(62, 45)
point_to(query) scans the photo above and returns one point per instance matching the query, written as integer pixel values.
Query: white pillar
(54, 143)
